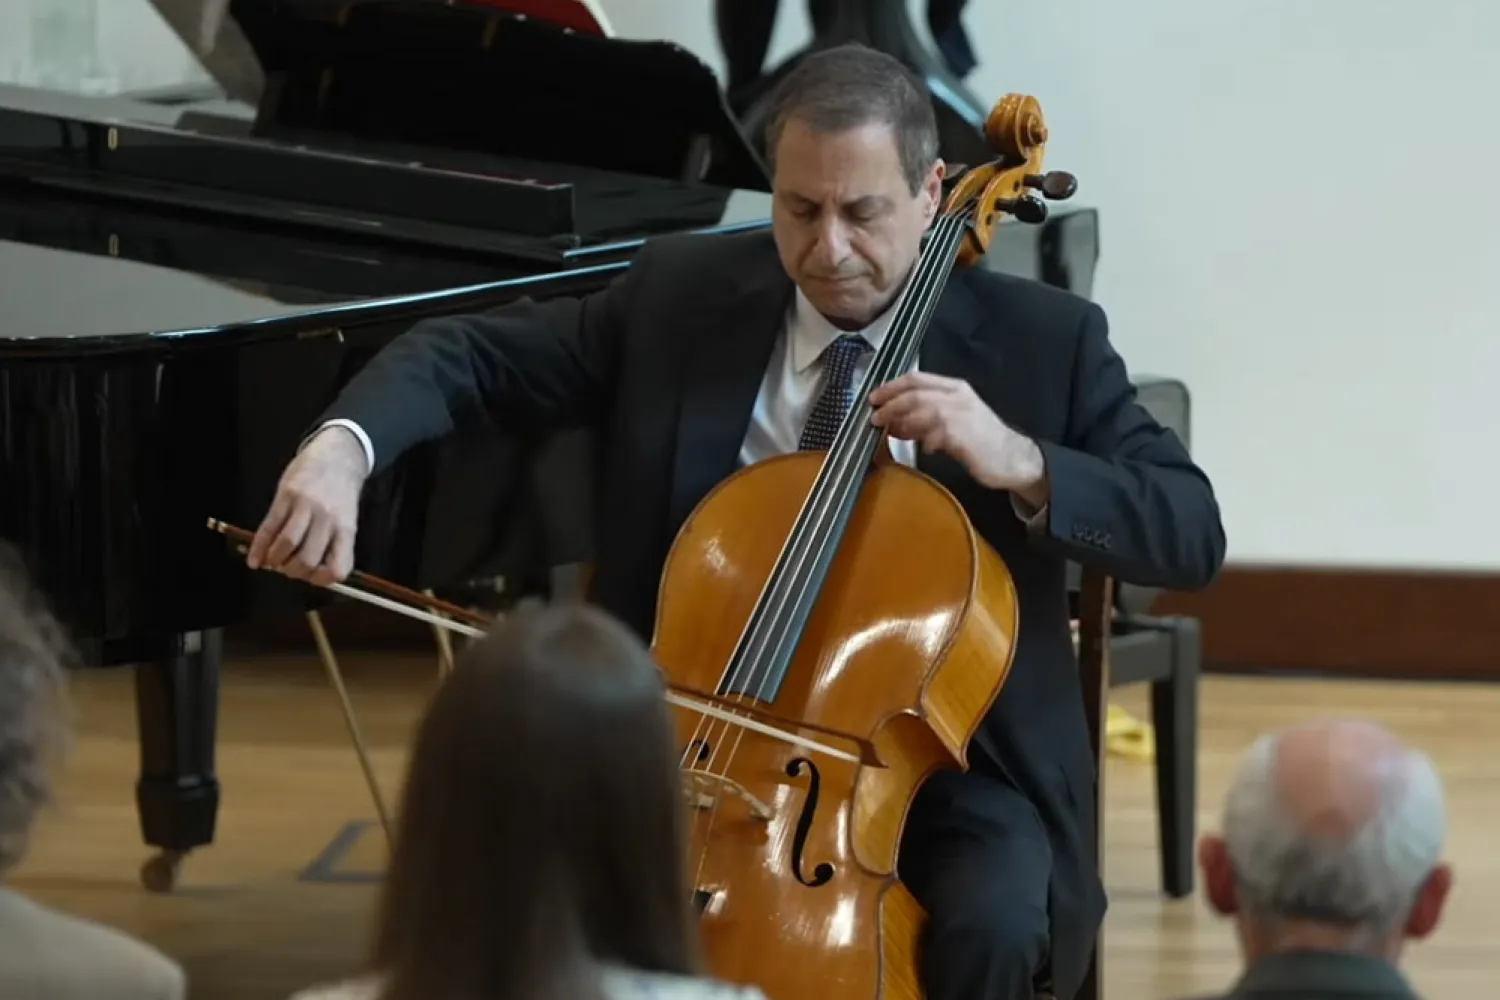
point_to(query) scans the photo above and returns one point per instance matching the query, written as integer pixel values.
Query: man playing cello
(1020, 407)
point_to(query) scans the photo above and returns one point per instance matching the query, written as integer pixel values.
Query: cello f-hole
(823, 872)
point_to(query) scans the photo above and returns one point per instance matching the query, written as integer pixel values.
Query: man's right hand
(308, 534)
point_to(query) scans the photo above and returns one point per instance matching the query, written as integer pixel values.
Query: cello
(840, 593)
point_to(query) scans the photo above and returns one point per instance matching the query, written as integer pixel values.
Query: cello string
(844, 467)
(842, 472)
(842, 463)
(750, 657)
(834, 477)
(845, 463)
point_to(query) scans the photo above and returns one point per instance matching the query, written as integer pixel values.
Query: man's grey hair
(1365, 879)
(34, 657)
(852, 85)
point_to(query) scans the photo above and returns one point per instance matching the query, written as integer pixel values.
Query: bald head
(1331, 779)
(1335, 824)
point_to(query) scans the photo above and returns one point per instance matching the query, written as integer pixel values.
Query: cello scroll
(1017, 131)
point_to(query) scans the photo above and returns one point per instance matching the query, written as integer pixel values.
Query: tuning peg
(1055, 185)
(1026, 209)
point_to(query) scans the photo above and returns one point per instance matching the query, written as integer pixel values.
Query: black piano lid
(137, 214)
(463, 76)
(390, 133)
(386, 188)
(92, 276)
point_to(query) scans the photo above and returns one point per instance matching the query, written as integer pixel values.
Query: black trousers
(976, 856)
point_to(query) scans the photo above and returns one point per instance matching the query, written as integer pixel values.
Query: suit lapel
(725, 366)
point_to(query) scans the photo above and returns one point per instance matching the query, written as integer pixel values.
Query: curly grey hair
(34, 657)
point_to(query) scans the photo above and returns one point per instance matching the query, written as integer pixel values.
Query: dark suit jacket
(666, 363)
(1321, 975)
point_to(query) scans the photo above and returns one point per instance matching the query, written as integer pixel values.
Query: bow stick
(474, 625)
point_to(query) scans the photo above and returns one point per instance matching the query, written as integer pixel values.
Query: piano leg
(177, 706)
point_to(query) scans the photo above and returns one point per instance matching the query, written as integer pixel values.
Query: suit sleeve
(1126, 498)
(528, 365)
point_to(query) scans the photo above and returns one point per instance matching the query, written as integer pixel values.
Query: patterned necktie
(838, 389)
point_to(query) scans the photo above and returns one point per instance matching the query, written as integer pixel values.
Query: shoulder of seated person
(62, 947)
(367, 988)
(619, 984)
(631, 984)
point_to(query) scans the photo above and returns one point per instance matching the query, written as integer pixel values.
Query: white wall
(91, 46)
(1299, 202)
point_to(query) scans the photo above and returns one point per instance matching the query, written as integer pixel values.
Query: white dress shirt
(794, 380)
(788, 392)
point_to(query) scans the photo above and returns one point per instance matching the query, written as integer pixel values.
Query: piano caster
(159, 873)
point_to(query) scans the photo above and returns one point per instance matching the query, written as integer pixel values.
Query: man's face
(847, 226)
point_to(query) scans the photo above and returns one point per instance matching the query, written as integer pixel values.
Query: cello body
(907, 647)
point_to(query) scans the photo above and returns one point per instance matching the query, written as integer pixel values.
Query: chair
(1167, 653)
(1094, 612)
(1095, 669)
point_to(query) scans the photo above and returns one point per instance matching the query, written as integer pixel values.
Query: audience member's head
(541, 822)
(1333, 833)
(33, 724)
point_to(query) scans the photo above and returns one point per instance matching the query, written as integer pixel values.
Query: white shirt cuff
(1033, 518)
(352, 428)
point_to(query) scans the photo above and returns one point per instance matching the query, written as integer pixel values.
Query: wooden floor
(282, 898)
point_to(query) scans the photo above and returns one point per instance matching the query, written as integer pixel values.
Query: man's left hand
(946, 415)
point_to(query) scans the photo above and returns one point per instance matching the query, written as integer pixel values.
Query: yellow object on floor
(1128, 737)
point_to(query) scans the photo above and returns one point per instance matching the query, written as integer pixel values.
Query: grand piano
(185, 286)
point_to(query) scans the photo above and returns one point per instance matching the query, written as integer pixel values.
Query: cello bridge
(703, 788)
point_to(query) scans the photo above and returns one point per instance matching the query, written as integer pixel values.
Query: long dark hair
(541, 830)
(35, 655)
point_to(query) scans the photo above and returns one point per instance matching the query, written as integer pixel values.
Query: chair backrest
(1167, 400)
